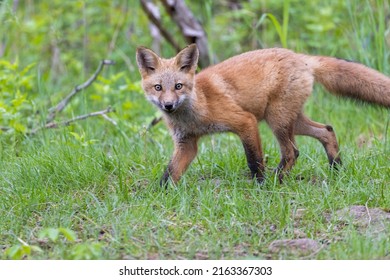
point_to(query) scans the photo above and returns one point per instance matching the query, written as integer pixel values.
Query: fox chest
(184, 127)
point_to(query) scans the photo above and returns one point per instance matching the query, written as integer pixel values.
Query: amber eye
(158, 87)
(178, 86)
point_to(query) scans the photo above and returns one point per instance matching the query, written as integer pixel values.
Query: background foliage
(61, 190)
(45, 45)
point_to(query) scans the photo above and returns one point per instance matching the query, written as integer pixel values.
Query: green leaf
(117, 76)
(19, 100)
(51, 233)
(276, 24)
(77, 136)
(18, 126)
(8, 65)
(26, 69)
(87, 251)
(96, 97)
(14, 252)
(69, 234)
(18, 252)
(127, 105)
(36, 248)
(26, 249)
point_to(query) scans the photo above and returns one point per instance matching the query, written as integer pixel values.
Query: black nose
(168, 106)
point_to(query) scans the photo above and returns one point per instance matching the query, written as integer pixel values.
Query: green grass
(107, 193)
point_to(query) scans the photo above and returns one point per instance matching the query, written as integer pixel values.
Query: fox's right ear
(147, 60)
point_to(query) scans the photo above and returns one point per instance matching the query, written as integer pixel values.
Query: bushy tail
(351, 80)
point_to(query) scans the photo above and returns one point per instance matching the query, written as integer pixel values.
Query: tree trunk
(190, 27)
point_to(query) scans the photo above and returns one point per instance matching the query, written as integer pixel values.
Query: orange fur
(236, 94)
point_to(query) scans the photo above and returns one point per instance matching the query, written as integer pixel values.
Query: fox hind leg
(288, 149)
(281, 118)
(323, 133)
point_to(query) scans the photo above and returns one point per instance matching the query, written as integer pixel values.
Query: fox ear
(147, 60)
(187, 59)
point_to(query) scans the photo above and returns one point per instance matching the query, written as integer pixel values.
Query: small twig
(78, 118)
(154, 30)
(83, 117)
(368, 213)
(110, 120)
(23, 242)
(63, 103)
(190, 27)
(155, 121)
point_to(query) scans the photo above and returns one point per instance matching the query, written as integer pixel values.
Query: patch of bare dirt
(371, 221)
(202, 255)
(374, 219)
(297, 247)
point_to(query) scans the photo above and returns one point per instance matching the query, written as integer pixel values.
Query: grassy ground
(106, 192)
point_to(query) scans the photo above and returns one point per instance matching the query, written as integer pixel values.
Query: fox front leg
(184, 153)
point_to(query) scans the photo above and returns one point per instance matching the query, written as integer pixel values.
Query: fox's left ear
(187, 59)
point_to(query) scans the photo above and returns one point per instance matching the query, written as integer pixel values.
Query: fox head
(168, 83)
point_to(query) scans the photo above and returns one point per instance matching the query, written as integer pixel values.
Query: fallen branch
(189, 26)
(107, 118)
(50, 123)
(154, 30)
(78, 118)
(149, 11)
(155, 121)
(63, 103)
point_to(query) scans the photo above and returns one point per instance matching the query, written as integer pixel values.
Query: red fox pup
(236, 94)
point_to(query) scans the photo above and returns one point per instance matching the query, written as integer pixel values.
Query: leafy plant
(17, 90)
(79, 251)
(21, 251)
(54, 233)
(281, 29)
(86, 251)
(81, 139)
